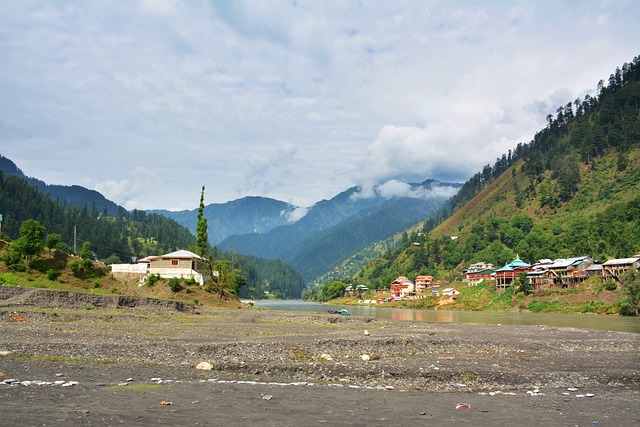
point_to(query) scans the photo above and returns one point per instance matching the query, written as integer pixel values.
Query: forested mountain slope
(241, 216)
(335, 229)
(73, 195)
(573, 190)
(130, 234)
(123, 236)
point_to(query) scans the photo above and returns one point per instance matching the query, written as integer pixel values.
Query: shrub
(81, 267)
(174, 284)
(153, 279)
(626, 307)
(18, 267)
(8, 279)
(610, 285)
(53, 274)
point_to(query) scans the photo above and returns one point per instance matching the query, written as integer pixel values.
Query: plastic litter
(463, 406)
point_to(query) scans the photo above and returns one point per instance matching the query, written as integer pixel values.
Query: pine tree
(202, 236)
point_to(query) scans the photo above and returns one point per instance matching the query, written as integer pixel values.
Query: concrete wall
(140, 268)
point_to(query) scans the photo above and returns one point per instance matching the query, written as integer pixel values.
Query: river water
(589, 321)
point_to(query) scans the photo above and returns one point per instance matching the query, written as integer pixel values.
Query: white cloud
(292, 100)
(296, 214)
(130, 191)
(394, 188)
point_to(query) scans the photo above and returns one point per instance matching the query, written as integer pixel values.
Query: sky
(146, 101)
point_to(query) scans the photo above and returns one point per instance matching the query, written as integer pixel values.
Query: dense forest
(572, 191)
(128, 235)
(124, 236)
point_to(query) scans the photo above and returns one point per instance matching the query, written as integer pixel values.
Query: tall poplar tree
(202, 236)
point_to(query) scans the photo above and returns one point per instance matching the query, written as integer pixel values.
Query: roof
(506, 267)
(621, 261)
(564, 263)
(177, 254)
(518, 263)
(482, 272)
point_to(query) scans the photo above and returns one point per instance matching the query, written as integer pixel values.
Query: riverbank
(591, 296)
(280, 368)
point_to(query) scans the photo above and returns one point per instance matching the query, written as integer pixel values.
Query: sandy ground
(124, 367)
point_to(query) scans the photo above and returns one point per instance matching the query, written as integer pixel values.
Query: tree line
(121, 238)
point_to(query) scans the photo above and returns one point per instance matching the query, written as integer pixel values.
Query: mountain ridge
(572, 191)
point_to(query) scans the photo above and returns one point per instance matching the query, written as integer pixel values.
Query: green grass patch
(137, 387)
(8, 279)
(56, 359)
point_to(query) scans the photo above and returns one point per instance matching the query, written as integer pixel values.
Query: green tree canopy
(31, 240)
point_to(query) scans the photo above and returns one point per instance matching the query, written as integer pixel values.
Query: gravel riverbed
(278, 368)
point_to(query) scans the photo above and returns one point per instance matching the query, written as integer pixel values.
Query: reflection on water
(589, 321)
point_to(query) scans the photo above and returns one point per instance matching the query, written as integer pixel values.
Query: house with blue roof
(506, 275)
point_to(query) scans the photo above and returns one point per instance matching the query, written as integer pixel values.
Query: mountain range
(325, 234)
(313, 240)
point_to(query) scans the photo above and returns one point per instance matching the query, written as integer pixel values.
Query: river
(588, 321)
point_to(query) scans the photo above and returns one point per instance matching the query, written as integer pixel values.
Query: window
(174, 262)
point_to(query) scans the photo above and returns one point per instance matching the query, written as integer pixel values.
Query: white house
(180, 264)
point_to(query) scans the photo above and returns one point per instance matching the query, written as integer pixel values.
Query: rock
(366, 332)
(204, 366)
(326, 356)
(365, 357)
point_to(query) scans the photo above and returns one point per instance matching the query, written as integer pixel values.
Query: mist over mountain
(334, 229)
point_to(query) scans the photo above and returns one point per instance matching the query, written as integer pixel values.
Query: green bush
(53, 274)
(81, 267)
(610, 285)
(626, 307)
(8, 279)
(174, 284)
(18, 267)
(153, 279)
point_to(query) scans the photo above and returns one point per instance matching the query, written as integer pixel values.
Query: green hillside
(573, 190)
(115, 239)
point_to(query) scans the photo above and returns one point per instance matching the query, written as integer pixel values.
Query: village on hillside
(546, 273)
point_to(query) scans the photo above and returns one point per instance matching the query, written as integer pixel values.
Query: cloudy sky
(298, 100)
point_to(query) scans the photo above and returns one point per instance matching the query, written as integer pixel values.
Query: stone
(204, 366)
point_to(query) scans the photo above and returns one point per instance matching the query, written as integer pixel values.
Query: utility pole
(0, 226)
(75, 252)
